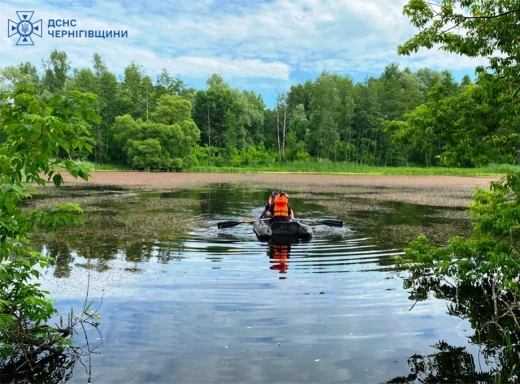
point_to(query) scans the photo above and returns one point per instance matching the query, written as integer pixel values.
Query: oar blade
(228, 224)
(331, 223)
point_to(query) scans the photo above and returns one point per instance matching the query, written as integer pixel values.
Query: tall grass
(104, 167)
(329, 167)
(503, 168)
(316, 167)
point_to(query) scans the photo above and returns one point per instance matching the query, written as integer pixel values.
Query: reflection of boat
(279, 255)
(265, 231)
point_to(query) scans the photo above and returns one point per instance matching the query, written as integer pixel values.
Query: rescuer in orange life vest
(270, 202)
(281, 209)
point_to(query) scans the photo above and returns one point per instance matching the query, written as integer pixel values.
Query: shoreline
(448, 191)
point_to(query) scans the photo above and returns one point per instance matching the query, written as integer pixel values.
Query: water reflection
(449, 365)
(279, 256)
(54, 368)
(499, 349)
(187, 302)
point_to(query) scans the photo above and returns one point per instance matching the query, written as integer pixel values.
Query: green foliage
(489, 259)
(147, 154)
(253, 156)
(329, 117)
(473, 130)
(481, 274)
(170, 85)
(23, 74)
(311, 165)
(479, 124)
(56, 71)
(34, 133)
(162, 143)
(222, 114)
(467, 27)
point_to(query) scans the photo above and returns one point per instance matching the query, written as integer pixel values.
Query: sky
(258, 45)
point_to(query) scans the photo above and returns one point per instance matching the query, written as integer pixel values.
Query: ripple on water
(222, 307)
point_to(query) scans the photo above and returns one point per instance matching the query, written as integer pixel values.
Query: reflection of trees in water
(55, 368)
(62, 255)
(139, 228)
(52, 363)
(132, 228)
(45, 353)
(66, 255)
(498, 337)
(449, 365)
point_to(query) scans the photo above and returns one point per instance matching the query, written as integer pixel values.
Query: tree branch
(491, 16)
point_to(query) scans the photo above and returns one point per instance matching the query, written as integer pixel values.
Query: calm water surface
(218, 306)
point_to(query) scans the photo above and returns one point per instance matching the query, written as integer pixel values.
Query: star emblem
(24, 28)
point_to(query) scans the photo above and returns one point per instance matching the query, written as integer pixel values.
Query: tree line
(400, 118)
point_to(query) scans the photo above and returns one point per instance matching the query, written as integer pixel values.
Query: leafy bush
(162, 142)
(33, 134)
(481, 274)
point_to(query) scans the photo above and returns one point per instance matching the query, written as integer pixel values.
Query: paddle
(234, 223)
(329, 222)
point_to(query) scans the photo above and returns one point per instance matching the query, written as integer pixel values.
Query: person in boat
(267, 207)
(281, 209)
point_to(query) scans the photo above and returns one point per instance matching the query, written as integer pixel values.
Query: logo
(25, 28)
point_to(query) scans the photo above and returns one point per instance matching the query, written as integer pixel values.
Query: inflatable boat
(266, 231)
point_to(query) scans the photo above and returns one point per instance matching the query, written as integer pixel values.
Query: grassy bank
(104, 167)
(335, 168)
(346, 168)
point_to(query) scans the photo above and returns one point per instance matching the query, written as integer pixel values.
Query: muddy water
(184, 302)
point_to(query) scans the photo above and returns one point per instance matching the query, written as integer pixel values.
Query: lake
(181, 301)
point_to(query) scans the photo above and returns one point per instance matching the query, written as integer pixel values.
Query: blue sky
(255, 45)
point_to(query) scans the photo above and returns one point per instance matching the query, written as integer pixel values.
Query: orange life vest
(281, 206)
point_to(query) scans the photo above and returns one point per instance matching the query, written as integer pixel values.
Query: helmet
(274, 193)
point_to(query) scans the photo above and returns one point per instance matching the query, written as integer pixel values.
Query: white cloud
(276, 40)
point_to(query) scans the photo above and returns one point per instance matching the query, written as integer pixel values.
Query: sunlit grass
(329, 167)
(350, 168)
(103, 167)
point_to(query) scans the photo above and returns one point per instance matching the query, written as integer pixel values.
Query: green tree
(346, 117)
(475, 29)
(99, 65)
(467, 129)
(325, 111)
(163, 142)
(297, 132)
(35, 132)
(252, 118)
(134, 92)
(488, 259)
(399, 93)
(23, 74)
(56, 70)
(83, 80)
(366, 117)
(171, 85)
(218, 111)
(301, 94)
(110, 106)
(483, 118)
(470, 28)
